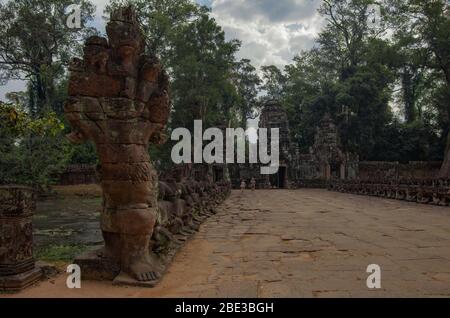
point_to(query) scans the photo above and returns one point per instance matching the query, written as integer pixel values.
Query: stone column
(226, 173)
(17, 266)
(445, 168)
(342, 172)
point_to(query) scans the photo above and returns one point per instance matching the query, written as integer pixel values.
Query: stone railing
(309, 183)
(183, 206)
(392, 170)
(78, 174)
(426, 191)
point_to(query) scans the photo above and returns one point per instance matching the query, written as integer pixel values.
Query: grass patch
(55, 253)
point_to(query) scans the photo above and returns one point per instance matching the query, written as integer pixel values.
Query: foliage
(247, 81)
(32, 150)
(36, 45)
(59, 252)
(17, 123)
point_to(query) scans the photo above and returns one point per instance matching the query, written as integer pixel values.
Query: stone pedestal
(95, 267)
(17, 266)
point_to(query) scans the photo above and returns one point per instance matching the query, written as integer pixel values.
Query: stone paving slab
(301, 243)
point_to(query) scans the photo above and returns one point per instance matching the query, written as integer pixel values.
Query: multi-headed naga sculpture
(119, 99)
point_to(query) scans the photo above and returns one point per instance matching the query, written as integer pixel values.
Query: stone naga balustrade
(425, 191)
(182, 207)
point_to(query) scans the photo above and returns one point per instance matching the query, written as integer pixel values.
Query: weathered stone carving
(17, 266)
(183, 205)
(425, 191)
(119, 99)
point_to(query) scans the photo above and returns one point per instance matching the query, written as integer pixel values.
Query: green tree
(343, 40)
(349, 75)
(423, 26)
(202, 67)
(161, 21)
(36, 45)
(309, 85)
(31, 149)
(247, 82)
(274, 82)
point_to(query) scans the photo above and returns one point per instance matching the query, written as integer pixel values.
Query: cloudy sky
(271, 31)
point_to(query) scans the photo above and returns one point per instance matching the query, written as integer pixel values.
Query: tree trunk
(41, 94)
(408, 97)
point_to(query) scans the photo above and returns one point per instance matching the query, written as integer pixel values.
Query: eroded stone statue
(119, 99)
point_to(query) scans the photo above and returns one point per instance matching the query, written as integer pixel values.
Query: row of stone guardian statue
(183, 206)
(426, 191)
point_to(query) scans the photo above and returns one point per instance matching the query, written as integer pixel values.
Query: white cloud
(99, 22)
(272, 32)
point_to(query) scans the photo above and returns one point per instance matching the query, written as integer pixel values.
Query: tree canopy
(385, 85)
